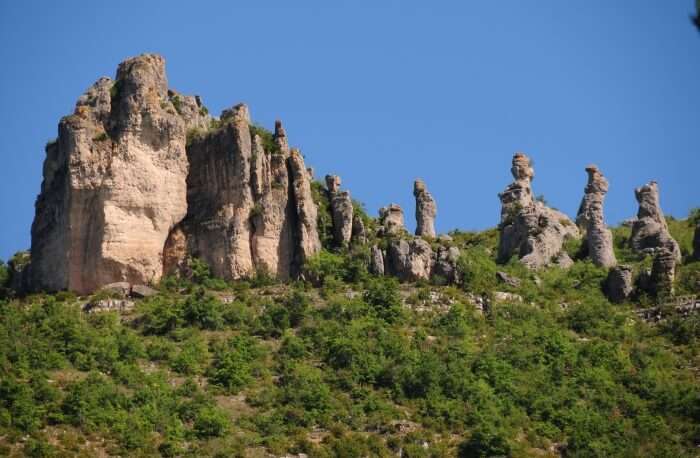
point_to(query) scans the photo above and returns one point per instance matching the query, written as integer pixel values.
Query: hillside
(352, 364)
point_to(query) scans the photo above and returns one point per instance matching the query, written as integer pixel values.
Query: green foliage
(102, 136)
(177, 103)
(232, 365)
(267, 137)
(382, 295)
(325, 217)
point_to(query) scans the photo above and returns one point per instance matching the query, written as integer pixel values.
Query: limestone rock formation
(445, 264)
(529, 229)
(426, 209)
(598, 239)
(619, 285)
(376, 265)
(409, 260)
(391, 219)
(249, 205)
(341, 210)
(114, 184)
(359, 233)
(191, 110)
(662, 272)
(649, 230)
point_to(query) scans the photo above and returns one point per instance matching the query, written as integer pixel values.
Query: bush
(382, 295)
(211, 422)
(232, 367)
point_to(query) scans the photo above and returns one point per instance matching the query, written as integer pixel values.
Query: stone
(650, 231)
(250, 208)
(506, 279)
(341, 211)
(142, 291)
(598, 239)
(114, 184)
(445, 264)
(109, 305)
(191, 110)
(619, 284)
(359, 233)
(391, 219)
(409, 260)
(376, 265)
(563, 260)
(120, 288)
(426, 209)
(662, 273)
(501, 297)
(529, 229)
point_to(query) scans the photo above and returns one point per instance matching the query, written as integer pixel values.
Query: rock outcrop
(114, 184)
(341, 211)
(650, 231)
(663, 271)
(391, 219)
(249, 203)
(620, 284)
(529, 229)
(409, 260)
(445, 265)
(376, 262)
(426, 209)
(359, 232)
(598, 239)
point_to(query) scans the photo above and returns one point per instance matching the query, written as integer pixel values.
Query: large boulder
(529, 229)
(663, 271)
(650, 231)
(409, 260)
(598, 239)
(426, 209)
(114, 184)
(620, 284)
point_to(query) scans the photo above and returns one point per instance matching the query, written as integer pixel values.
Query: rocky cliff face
(650, 231)
(598, 239)
(121, 177)
(529, 229)
(249, 206)
(114, 184)
(426, 209)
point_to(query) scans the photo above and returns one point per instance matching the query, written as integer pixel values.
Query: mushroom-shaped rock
(391, 219)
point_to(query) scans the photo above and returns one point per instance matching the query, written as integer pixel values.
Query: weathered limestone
(445, 264)
(191, 110)
(114, 184)
(620, 284)
(650, 231)
(341, 210)
(409, 260)
(426, 209)
(529, 229)
(662, 272)
(359, 233)
(249, 209)
(391, 219)
(376, 263)
(598, 239)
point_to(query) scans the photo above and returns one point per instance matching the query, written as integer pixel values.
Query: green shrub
(382, 295)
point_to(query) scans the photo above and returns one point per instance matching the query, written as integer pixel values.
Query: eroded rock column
(598, 238)
(341, 211)
(426, 209)
(650, 231)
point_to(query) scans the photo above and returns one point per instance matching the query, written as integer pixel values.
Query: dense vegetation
(348, 364)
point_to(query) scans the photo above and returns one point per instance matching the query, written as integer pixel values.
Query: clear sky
(383, 92)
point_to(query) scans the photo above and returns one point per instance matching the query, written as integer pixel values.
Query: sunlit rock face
(114, 184)
(530, 230)
(650, 231)
(426, 210)
(598, 238)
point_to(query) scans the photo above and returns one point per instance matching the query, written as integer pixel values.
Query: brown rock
(391, 219)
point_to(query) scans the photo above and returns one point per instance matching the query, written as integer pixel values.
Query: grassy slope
(355, 366)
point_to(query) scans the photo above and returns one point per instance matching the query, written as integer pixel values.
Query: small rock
(141, 291)
(501, 296)
(121, 288)
(507, 279)
(109, 305)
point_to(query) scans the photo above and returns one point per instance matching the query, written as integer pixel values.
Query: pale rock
(445, 264)
(109, 305)
(409, 260)
(598, 239)
(426, 210)
(376, 265)
(191, 110)
(359, 233)
(620, 284)
(114, 184)
(341, 211)
(529, 229)
(391, 219)
(662, 272)
(650, 231)
(509, 280)
(120, 288)
(142, 291)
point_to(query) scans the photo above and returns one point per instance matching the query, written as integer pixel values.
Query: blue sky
(383, 92)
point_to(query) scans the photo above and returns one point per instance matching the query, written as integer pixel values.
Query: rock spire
(426, 209)
(598, 239)
(650, 231)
